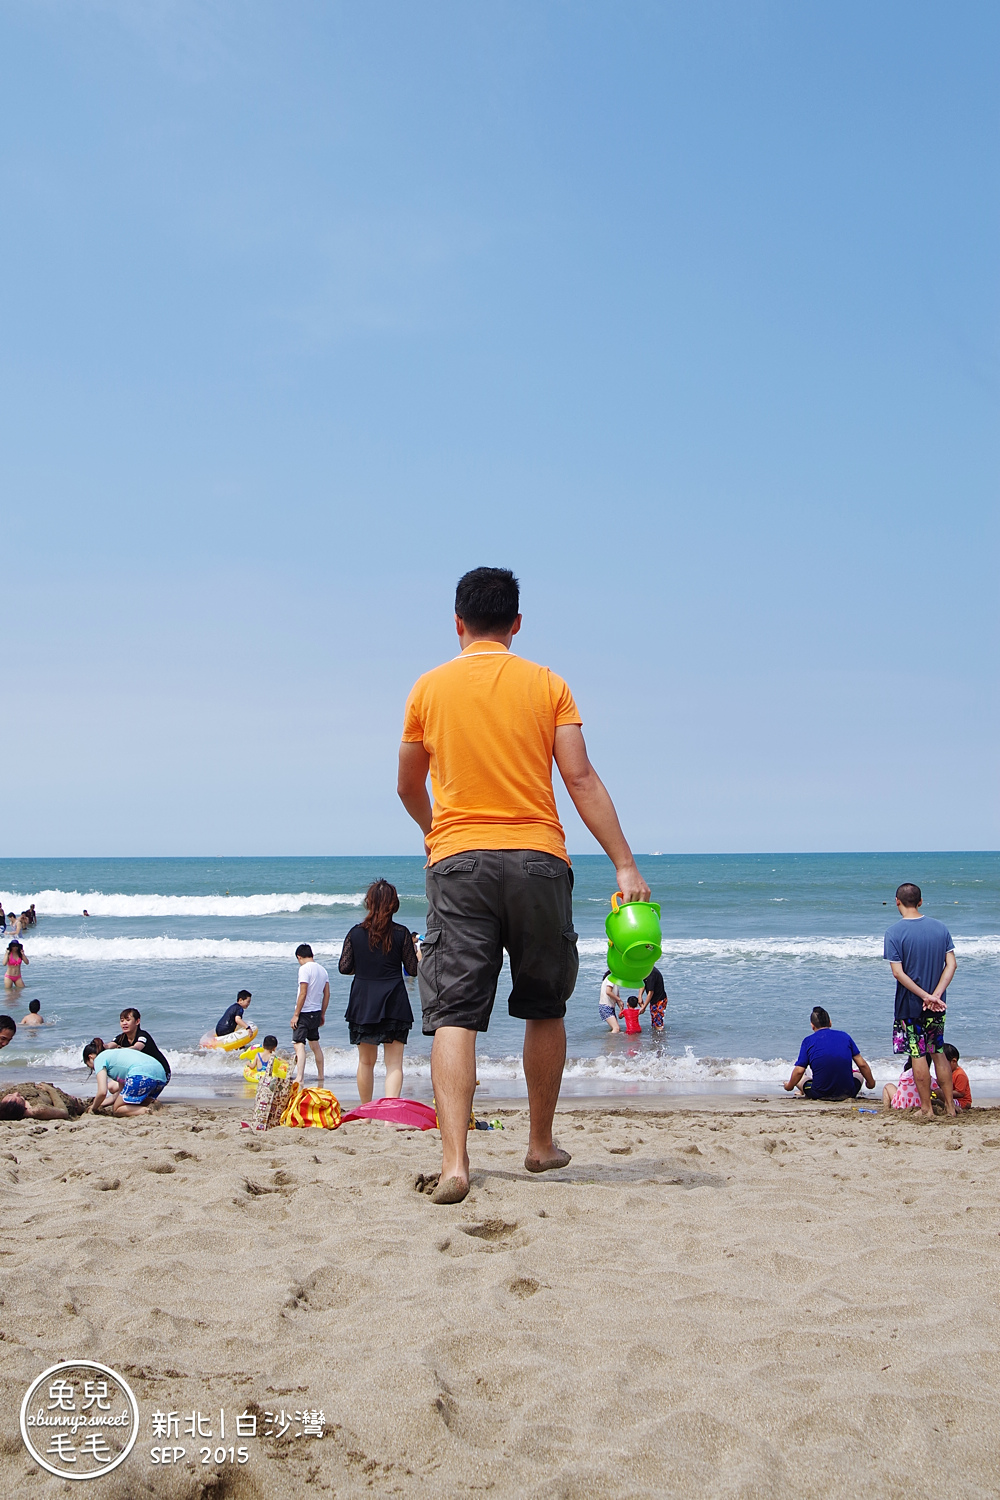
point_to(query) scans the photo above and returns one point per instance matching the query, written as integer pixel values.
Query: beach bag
(271, 1101)
(312, 1107)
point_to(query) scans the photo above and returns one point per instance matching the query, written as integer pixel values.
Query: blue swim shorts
(138, 1089)
(607, 1011)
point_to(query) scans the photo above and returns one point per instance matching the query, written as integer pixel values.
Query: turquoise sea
(751, 943)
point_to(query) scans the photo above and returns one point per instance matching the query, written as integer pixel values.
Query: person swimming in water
(34, 1016)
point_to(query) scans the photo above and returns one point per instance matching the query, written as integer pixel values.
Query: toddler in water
(265, 1058)
(12, 973)
(630, 1015)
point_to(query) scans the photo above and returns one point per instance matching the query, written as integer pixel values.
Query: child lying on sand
(40, 1101)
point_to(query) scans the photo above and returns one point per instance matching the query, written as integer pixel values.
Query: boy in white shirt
(310, 1011)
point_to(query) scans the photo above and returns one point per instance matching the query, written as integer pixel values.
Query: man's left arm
(798, 1074)
(592, 801)
(864, 1070)
(937, 1000)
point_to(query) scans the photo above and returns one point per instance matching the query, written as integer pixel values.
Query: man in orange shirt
(488, 726)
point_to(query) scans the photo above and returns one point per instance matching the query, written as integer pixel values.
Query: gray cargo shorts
(480, 903)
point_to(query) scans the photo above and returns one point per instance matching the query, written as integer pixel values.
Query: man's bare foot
(547, 1163)
(450, 1190)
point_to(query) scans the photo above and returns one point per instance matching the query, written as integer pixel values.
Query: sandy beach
(716, 1299)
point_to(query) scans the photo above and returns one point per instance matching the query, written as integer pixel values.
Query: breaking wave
(117, 904)
(649, 1065)
(165, 949)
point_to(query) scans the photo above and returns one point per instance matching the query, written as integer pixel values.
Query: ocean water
(751, 943)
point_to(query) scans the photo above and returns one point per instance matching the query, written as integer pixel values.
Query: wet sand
(718, 1297)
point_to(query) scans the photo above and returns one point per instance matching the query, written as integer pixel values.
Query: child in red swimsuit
(630, 1015)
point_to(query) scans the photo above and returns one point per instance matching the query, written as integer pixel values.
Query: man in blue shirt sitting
(832, 1056)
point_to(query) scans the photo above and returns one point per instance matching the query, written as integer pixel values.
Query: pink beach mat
(408, 1112)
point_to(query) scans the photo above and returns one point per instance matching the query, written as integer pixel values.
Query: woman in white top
(611, 999)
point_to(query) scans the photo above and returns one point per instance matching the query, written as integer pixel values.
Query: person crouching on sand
(832, 1056)
(378, 952)
(961, 1088)
(139, 1079)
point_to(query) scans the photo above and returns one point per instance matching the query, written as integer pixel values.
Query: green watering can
(629, 975)
(635, 941)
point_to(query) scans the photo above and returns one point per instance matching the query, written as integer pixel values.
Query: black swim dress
(379, 1007)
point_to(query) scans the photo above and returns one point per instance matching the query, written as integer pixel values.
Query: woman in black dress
(377, 952)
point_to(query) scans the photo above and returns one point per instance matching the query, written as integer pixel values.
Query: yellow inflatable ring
(235, 1043)
(252, 1074)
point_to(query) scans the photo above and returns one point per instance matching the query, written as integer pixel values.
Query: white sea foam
(116, 904)
(166, 949)
(40, 944)
(641, 1065)
(796, 948)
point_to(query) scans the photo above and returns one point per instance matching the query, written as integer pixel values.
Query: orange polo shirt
(488, 721)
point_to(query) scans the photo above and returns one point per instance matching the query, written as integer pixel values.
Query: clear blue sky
(686, 312)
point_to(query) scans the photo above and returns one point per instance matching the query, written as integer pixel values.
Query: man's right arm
(592, 802)
(300, 1000)
(411, 784)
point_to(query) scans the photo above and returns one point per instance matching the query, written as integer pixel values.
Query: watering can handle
(618, 896)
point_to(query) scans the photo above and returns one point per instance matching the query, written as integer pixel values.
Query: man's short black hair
(908, 894)
(244, 995)
(34, 1006)
(270, 1042)
(303, 951)
(951, 1053)
(487, 600)
(7, 1023)
(820, 1017)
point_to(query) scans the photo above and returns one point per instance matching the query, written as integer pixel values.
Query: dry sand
(736, 1301)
